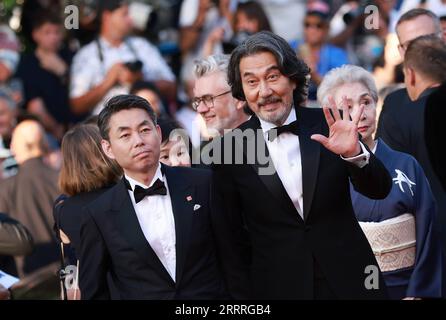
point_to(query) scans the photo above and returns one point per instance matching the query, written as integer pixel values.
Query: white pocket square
(196, 207)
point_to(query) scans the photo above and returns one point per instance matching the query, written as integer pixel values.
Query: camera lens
(134, 66)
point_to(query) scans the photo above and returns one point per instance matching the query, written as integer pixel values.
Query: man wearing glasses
(212, 96)
(401, 122)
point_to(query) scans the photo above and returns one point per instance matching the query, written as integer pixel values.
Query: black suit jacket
(281, 255)
(434, 131)
(401, 126)
(112, 241)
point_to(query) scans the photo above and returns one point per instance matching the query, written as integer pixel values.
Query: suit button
(307, 228)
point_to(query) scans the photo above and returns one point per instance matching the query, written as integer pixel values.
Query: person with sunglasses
(319, 55)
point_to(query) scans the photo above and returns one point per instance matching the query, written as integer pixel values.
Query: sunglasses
(318, 25)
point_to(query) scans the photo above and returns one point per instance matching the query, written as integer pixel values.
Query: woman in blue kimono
(400, 228)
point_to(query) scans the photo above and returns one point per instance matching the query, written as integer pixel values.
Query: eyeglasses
(315, 25)
(404, 45)
(207, 99)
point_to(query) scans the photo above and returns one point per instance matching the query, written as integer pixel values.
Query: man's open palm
(343, 137)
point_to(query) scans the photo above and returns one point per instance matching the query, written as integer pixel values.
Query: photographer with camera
(366, 24)
(111, 63)
(197, 20)
(249, 18)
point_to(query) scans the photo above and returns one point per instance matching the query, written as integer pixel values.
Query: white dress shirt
(157, 222)
(285, 153)
(88, 71)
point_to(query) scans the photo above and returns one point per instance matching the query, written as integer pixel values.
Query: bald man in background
(29, 195)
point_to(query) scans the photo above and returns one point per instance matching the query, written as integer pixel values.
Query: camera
(353, 14)
(235, 40)
(134, 66)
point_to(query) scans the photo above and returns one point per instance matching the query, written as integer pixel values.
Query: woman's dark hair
(45, 17)
(145, 85)
(254, 11)
(168, 125)
(288, 63)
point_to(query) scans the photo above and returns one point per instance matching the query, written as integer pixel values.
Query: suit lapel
(310, 152)
(127, 222)
(271, 181)
(182, 197)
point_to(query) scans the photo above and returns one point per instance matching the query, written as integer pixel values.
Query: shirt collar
(158, 175)
(106, 45)
(266, 126)
(375, 147)
(427, 91)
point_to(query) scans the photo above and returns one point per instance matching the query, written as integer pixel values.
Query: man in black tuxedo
(411, 25)
(401, 122)
(293, 227)
(434, 131)
(152, 231)
(424, 72)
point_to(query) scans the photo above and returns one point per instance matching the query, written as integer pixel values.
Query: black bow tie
(291, 127)
(157, 188)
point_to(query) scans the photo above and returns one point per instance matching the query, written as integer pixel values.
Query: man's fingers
(334, 109)
(357, 115)
(328, 116)
(320, 138)
(345, 110)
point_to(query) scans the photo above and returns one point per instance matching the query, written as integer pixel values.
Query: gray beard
(278, 119)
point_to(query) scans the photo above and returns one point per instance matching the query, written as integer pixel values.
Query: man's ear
(239, 104)
(160, 136)
(34, 34)
(409, 76)
(105, 15)
(412, 76)
(106, 147)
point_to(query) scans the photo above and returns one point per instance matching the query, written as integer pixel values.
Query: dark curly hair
(288, 62)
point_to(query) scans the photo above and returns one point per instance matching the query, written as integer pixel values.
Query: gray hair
(211, 64)
(346, 74)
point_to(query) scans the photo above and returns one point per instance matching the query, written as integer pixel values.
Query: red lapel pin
(189, 198)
